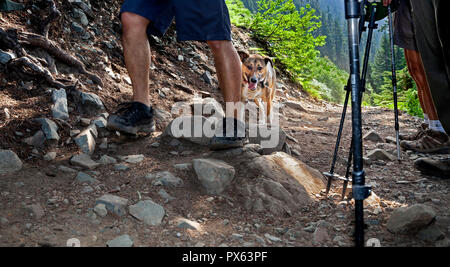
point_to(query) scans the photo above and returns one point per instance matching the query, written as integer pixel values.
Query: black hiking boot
(439, 168)
(132, 118)
(234, 139)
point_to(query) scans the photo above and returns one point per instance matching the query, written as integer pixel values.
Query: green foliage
(326, 73)
(287, 34)
(239, 14)
(382, 63)
(407, 93)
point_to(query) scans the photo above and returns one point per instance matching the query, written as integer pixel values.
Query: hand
(386, 2)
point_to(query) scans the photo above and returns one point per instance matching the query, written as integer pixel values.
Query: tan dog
(258, 81)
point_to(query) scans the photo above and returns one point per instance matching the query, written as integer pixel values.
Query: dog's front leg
(261, 108)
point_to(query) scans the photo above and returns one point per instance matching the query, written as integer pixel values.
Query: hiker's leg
(417, 72)
(430, 35)
(229, 72)
(136, 51)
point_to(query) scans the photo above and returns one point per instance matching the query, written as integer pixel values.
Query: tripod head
(381, 11)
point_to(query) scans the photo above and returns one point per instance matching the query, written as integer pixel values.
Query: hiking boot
(439, 168)
(132, 118)
(417, 135)
(234, 138)
(430, 142)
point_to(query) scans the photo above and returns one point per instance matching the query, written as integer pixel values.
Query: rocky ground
(63, 175)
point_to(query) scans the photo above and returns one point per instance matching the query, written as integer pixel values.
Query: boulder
(86, 141)
(379, 154)
(123, 241)
(114, 204)
(410, 220)
(374, 137)
(49, 128)
(37, 140)
(59, 108)
(284, 184)
(164, 178)
(214, 175)
(9, 162)
(90, 104)
(132, 159)
(84, 160)
(106, 160)
(190, 128)
(148, 212)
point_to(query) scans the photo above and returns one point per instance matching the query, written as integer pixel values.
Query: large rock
(9, 162)
(86, 141)
(187, 224)
(123, 241)
(106, 160)
(379, 154)
(113, 204)
(6, 57)
(86, 7)
(90, 104)
(373, 136)
(271, 138)
(284, 185)
(100, 124)
(79, 14)
(37, 140)
(49, 128)
(206, 76)
(148, 212)
(85, 178)
(294, 105)
(431, 233)
(59, 108)
(190, 128)
(83, 160)
(214, 175)
(133, 159)
(410, 220)
(164, 178)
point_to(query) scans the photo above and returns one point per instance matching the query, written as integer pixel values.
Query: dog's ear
(243, 55)
(267, 60)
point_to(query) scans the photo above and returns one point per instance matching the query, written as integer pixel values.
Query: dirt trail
(63, 207)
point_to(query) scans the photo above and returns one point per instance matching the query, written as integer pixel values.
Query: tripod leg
(347, 173)
(394, 82)
(338, 141)
(360, 190)
(344, 111)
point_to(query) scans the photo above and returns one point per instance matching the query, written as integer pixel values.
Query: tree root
(32, 68)
(39, 41)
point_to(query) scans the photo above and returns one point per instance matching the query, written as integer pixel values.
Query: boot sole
(130, 130)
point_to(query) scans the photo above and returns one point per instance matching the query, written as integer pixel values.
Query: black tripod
(371, 26)
(355, 15)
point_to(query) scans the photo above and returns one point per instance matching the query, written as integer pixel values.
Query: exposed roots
(32, 39)
(28, 67)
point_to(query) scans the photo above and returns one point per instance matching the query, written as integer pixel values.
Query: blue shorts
(196, 20)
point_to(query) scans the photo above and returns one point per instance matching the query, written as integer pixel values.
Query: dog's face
(254, 69)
